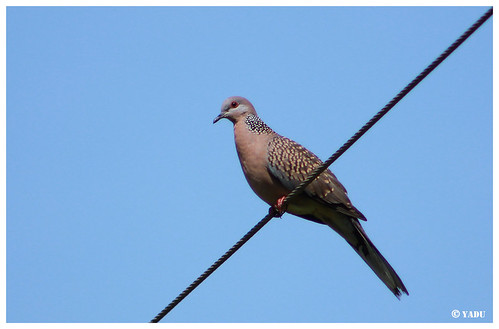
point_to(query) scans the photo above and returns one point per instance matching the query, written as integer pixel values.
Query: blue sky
(121, 191)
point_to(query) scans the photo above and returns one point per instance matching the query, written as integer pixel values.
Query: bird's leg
(280, 207)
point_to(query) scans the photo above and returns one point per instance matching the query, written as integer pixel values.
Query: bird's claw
(280, 207)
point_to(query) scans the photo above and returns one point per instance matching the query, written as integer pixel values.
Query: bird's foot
(280, 207)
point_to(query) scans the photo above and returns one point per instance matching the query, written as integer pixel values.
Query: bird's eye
(234, 104)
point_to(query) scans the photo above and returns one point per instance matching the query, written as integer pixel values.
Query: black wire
(273, 213)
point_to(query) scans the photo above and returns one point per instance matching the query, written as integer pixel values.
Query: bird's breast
(252, 150)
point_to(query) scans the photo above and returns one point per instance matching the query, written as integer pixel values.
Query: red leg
(280, 206)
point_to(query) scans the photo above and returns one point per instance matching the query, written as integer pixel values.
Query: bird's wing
(291, 163)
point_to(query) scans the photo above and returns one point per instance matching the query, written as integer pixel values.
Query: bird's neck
(251, 135)
(255, 125)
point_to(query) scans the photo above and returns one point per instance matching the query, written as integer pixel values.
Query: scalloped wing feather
(291, 163)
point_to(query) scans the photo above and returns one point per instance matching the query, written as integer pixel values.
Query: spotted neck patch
(256, 125)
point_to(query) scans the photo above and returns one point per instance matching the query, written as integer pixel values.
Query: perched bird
(274, 165)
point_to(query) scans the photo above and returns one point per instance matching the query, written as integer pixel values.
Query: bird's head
(235, 108)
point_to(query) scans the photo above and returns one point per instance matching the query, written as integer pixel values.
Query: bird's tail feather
(351, 230)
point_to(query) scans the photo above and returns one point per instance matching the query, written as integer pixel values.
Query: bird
(274, 165)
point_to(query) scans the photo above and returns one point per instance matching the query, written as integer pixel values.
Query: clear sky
(121, 191)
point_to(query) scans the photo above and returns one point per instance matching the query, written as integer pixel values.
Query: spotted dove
(274, 165)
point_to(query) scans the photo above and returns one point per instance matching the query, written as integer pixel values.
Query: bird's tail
(351, 230)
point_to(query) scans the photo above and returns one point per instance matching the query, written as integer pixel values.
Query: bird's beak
(220, 116)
